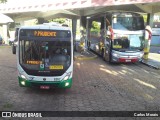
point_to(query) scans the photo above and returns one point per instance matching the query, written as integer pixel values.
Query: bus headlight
(23, 83)
(22, 76)
(23, 79)
(115, 54)
(67, 76)
(141, 55)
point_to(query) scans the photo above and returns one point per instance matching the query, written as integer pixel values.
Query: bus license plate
(128, 60)
(44, 87)
(56, 67)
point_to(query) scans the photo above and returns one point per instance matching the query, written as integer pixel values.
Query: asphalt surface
(97, 86)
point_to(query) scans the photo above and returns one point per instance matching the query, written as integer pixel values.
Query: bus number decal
(56, 67)
(117, 46)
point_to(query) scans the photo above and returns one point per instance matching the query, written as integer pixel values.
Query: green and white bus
(45, 56)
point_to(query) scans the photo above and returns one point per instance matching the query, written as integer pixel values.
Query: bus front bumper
(126, 57)
(125, 60)
(45, 84)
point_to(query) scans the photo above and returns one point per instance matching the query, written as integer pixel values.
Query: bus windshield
(133, 42)
(45, 53)
(128, 22)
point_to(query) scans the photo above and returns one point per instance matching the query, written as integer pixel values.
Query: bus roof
(46, 26)
(114, 12)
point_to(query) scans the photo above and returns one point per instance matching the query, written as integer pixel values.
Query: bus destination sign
(45, 33)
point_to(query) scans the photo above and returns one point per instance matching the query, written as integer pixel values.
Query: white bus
(117, 36)
(45, 56)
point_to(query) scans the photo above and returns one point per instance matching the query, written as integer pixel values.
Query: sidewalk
(86, 55)
(4, 45)
(153, 60)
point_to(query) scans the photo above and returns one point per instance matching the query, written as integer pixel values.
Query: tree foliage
(58, 20)
(145, 18)
(3, 1)
(95, 27)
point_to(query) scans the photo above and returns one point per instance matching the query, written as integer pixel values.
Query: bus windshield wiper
(122, 50)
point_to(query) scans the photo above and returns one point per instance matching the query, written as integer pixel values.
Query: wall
(155, 36)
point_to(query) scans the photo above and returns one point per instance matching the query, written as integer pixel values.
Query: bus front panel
(45, 58)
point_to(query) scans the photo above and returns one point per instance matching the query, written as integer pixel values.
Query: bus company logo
(31, 78)
(44, 79)
(6, 114)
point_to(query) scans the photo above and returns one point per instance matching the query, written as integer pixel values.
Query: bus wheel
(104, 56)
(101, 53)
(110, 59)
(13, 49)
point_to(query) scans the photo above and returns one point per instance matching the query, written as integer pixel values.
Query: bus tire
(13, 49)
(110, 59)
(101, 53)
(104, 56)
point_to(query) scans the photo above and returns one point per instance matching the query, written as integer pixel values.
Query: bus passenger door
(107, 51)
(108, 41)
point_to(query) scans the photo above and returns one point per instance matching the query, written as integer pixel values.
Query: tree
(145, 18)
(95, 27)
(58, 20)
(3, 1)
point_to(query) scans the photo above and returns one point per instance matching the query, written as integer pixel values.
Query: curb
(4, 46)
(86, 58)
(150, 65)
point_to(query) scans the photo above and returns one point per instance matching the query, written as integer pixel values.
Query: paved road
(97, 86)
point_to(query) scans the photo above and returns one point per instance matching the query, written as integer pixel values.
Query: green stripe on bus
(58, 84)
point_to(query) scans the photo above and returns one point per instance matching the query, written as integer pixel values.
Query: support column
(40, 20)
(5, 35)
(88, 25)
(83, 31)
(74, 26)
(148, 35)
(87, 33)
(150, 18)
(22, 23)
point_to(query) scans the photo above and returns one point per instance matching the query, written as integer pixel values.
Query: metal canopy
(5, 19)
